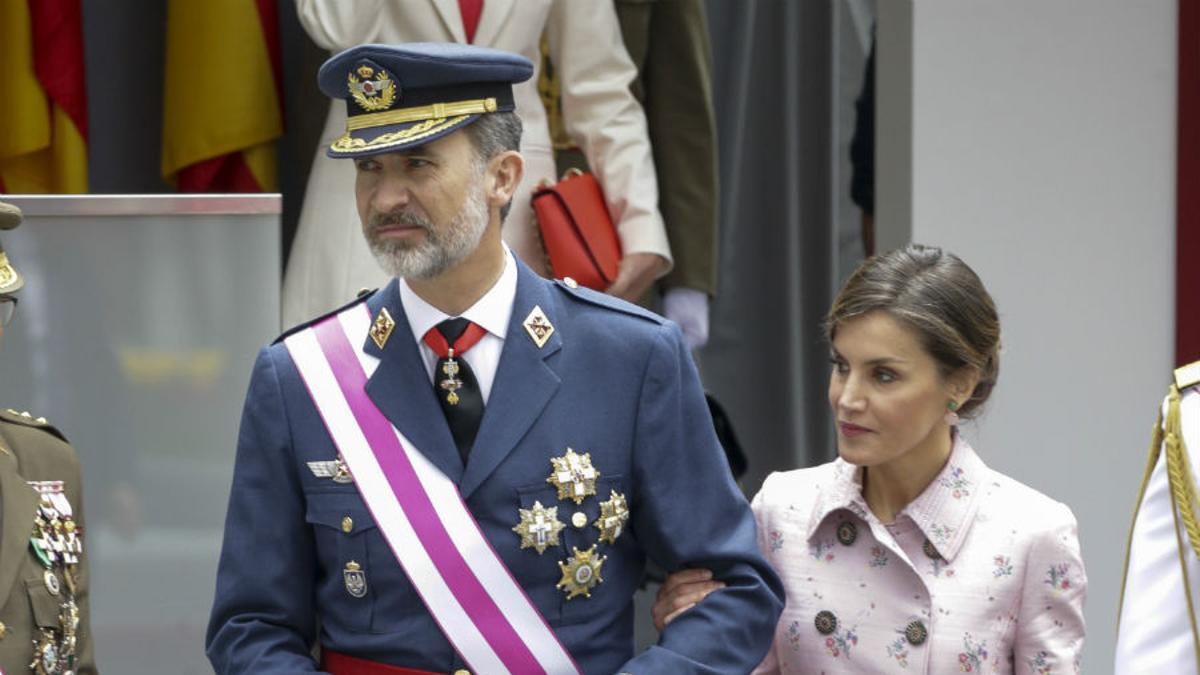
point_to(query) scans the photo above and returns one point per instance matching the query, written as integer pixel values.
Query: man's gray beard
(439, 250)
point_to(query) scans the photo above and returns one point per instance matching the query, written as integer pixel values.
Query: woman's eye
(885, 376)
(840, 366)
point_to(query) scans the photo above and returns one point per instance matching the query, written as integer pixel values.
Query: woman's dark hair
(941, 298)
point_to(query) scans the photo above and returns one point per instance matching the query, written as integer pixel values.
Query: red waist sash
(340, 664)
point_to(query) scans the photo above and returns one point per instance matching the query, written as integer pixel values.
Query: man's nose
(391, 193)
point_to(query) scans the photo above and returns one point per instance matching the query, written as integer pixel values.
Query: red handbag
(577, 232)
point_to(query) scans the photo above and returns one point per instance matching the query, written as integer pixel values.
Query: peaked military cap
(402, 96)
(10, 279)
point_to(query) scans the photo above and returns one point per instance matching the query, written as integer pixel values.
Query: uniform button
(462, 671)
(3, 630)
(579, 519)
(825, 622)
(571, 283)
(347, 524)
(915, 633)
(929, 550)
(847, 532)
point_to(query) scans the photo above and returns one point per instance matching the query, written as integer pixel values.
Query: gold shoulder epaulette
(1187, 376)
(24, 418)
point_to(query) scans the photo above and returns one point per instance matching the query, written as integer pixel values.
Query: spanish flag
(43, 97)
(222, 95)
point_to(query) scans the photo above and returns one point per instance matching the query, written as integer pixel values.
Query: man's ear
(505, 171)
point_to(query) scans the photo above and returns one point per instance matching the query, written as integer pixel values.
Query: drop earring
(952, 413)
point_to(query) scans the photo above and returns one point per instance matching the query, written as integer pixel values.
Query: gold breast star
(539, 527)
(613, 515)
(573, 475)
(580, 573)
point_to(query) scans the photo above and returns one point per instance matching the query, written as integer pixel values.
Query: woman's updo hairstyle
(936, 294)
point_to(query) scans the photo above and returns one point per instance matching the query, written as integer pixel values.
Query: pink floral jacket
(979, 574)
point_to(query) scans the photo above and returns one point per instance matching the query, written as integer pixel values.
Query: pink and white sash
(473, 597)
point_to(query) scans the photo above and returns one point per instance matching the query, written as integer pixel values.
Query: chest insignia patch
(356, 579)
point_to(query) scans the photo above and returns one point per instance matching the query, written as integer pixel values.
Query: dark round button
(915, 633)
(847, 532)
(825, 622)
(929, 550)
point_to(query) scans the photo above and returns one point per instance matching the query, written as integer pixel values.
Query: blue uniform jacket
(613, 380)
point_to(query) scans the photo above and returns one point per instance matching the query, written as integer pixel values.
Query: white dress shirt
(491, 312)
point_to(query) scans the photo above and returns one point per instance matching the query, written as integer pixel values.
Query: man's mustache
(404, 218)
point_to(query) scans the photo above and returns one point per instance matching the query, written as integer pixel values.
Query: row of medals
(539, 527)
(57, 541)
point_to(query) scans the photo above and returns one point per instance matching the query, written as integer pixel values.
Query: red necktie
(470, 10)
(455, 385)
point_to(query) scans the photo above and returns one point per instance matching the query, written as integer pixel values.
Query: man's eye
(366, 165)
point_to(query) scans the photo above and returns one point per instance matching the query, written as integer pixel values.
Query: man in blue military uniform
(467, 470)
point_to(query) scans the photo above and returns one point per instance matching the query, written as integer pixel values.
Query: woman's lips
(851, 430)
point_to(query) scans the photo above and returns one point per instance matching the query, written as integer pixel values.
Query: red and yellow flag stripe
(43, 109)
(222, 108)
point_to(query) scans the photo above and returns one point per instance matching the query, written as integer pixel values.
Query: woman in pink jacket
(907, 553)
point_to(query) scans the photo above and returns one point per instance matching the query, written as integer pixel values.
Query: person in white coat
(1157, 626)
(330, 262)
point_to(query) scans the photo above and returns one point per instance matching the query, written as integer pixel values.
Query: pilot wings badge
(332, 468)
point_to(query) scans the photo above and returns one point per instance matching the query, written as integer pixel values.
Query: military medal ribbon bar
(480, 608)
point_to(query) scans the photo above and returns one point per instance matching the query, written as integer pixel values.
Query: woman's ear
(962, 384)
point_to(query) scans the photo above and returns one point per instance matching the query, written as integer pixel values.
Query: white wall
(1043, 138)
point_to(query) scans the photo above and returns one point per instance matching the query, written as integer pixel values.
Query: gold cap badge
(372, 89)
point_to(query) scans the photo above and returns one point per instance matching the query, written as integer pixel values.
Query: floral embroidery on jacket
(776, 540)
(938, 566)
(899, 650)
(879, 557)
(957, 481)
(817, 550)
(1004, 566)
(1057, 578)
(1038, 665)
(793, 635)
(941, 533)
(840, 643)
(973, 656)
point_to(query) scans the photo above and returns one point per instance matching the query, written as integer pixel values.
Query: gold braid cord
(1168, 439)
(1183, 501)
(1179, 472)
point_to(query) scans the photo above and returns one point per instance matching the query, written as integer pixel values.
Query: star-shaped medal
(580, 573)
(574, 476)
(539, 527)
(613, 515)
